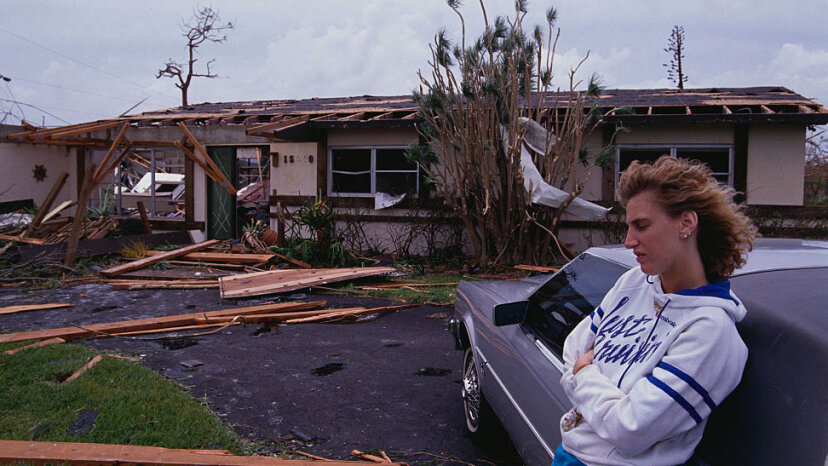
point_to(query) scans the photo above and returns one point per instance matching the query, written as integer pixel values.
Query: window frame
(672, 150)
(373, 170)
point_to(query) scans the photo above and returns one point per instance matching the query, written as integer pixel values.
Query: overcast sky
(75, 61)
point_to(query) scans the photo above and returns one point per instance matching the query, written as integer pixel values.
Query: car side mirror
(510, 313)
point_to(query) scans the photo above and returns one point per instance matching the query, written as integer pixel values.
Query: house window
(363, 171)
(719, 158)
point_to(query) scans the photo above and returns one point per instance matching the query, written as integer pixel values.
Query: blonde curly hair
(725, 234)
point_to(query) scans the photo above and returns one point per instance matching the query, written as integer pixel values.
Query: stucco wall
(372, 137)
(667, 134)
(294, 167)
(776, 165)
(17, 162)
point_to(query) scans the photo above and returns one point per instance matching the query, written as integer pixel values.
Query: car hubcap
(471, 392)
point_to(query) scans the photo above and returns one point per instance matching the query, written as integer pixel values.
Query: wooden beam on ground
(535, 268)
(147, 261)
(43, 209)
(74, 333)
(20, 239)
(51, 341)
(167, 329)
(341, 313)
(280, 316)
(280, 281)
(165, 284)
(293, 261)
(83, 369)
(80, 215)
(32, 307)
(228, 185)
(12, 451)
(232, 258)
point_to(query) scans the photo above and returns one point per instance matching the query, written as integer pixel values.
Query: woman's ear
(689, 222)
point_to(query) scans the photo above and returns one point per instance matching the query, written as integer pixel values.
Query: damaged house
(212, 167)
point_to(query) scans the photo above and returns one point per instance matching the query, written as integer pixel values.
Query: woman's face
(653, 235)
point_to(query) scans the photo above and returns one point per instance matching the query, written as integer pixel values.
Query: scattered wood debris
(51, 341)
(32, 307)
(83, 369)
(103, 454)
(372, 458)
(119, 269)
(280, 281)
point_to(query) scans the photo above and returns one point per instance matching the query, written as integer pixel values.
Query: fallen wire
(235, 321)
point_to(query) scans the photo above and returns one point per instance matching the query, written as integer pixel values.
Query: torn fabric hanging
(535, 138)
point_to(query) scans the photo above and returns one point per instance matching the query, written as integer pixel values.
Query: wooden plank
(278, 317)
(280, 281)
(83, 128)
(228, 185)
(80, 215)
(91, 247)
(167, 330)
(147, 261)
(339, 313)
(403, 285)
(207, 170)
(165, 284)
(232, 258)
(47, 203)
(293, 261)
(535, 268)
(20, 239)
(83, 369)
(57, 210)
(32, 307)
(104, 455)
(51, 341)
(278, 124)
(74, 333)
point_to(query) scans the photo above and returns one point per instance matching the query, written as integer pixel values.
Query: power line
(81, 63)
(17, 78)
(36, 108)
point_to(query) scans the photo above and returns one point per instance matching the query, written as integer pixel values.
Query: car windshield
(557, 307)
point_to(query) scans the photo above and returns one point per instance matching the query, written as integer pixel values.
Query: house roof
(276, 118)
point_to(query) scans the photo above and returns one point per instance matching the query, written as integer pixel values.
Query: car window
(557, 307)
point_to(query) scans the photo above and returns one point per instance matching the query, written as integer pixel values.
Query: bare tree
(205, 26)
(675, 47)
(474, 102)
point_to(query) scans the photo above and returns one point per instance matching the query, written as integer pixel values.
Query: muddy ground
(391, 383)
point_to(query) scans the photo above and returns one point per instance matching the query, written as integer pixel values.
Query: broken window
(718, 158)
(154, 176)
(369, 170)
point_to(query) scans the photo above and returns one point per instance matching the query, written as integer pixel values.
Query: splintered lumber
(164, 284)
(366, 456)
(341, 313)
(103, 454)
(134, 265)
(51, 341)
(32, 307)
(232, 258)
(83, 369)
(293, 261)
(57, 210)
(47, 203)
(280, 281)
(280, 317)
(74, 333)
(80, 215)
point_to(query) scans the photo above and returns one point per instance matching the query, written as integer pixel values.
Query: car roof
(768, 254)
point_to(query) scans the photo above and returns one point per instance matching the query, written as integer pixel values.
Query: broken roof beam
(726, 110)
(278, 125)
(99, 174)
(766, 109)
(225, 182)
(325, 117)
(60, 133)
(353, 117)
(410, 116)
(147, 261)
(383, 116)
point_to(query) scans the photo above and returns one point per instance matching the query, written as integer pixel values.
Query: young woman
(647, 367)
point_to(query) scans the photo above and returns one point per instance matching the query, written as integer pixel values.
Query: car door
(530, 365)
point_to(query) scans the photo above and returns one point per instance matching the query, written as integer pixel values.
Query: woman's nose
(630, 241)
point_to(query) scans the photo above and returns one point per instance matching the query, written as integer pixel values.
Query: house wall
(294, 166)
(669, 134)
(776, 165)
(372, 137)
(17, 162)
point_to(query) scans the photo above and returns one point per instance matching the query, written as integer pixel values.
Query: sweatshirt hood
(717, 294)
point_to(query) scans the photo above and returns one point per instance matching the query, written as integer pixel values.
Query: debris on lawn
(372, 458)
(535, 268)
(280, 281)
(83, 369)
(103, 454)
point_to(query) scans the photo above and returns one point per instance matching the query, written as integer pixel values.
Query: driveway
(391, 383)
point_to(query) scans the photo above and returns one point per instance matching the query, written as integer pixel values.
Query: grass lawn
(134, 405)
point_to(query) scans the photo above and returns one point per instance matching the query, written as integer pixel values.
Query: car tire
(480, 419)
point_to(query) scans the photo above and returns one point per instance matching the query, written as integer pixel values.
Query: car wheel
(479, 415)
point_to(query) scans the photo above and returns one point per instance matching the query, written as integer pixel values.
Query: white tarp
(383, 200)
(535, 138)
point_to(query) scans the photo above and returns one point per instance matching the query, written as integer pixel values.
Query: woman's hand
(583, 361)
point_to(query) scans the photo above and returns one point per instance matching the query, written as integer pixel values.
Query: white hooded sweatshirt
(663, 361)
